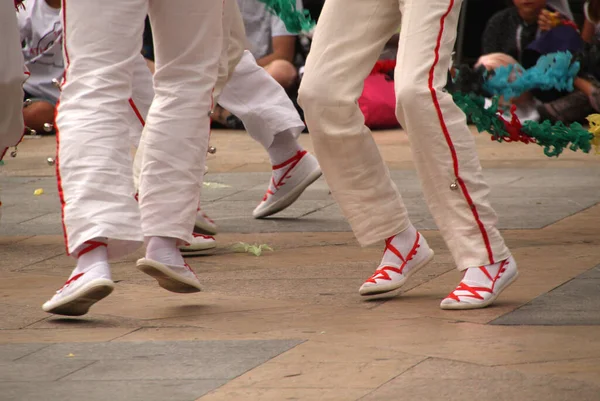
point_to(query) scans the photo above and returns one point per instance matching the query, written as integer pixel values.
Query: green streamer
(554, 138)
(295, 20)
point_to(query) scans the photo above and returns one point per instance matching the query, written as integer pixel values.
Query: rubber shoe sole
(197, 252)
(167, 278)
(382, 289)
(79, 303)
(205, 229)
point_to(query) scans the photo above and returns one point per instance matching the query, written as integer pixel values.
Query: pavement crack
(316, 210)
(30, 353)
(393, 378)
(37, 321)
(76, 370)
(38, 261)
(125, 334)
(226, 196)
(508, 365)
(36, 217)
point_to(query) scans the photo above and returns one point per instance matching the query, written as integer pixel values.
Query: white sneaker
(79, 293)
(204, 224)
(181, 279)
(470, 295)
(201, 245)
(390, 276)
(288, 181)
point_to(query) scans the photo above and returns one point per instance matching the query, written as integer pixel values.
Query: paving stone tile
(576, 302)
(523, 198)
(175, 351)
(10, 352)
(50, 370)
(152, 390)
(592, 273)
(17, 317)
(278, 394)
(436, 379)
(60, 335)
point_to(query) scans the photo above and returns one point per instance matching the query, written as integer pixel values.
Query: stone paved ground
(289, 325)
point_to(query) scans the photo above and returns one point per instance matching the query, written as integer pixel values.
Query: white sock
(164, 250)
(475, 276)
(283, 148)
(93, 256)
(403, 242)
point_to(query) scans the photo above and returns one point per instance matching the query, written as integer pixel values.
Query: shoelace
(474, 291)
(91, 245)
(205, 216)
(191, 270)
(382, 274)
(195, 235)
(69, 281)
(293, 161)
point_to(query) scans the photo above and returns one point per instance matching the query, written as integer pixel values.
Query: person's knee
(37, 114)
(409, 92)
(492, 61)
(283, 72)
(315, 92)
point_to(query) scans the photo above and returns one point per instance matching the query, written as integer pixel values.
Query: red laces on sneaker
(381, 274)
(205, 216)
(192, 270)
(69, 281)
(91, 246)
(475, 291)
(203, 236)
(292, 162)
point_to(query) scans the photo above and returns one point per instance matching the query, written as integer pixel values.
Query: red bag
(378, 99)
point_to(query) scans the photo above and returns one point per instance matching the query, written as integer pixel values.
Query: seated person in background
(273, 46)
(274, 49)
(591, 25)
(148, 46)
(509, 38)
(41, 37)
(510, 31)
(588, 83)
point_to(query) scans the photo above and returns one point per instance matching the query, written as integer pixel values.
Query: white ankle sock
(96, 258)
(403, 242)
(283, 148)
(164, 250)
(476, 275)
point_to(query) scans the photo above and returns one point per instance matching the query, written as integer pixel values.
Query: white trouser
(234, 44)
(243, 88)
(443, 147)
(102, 41)
(260, 102)
(142, 94)
(11, 78)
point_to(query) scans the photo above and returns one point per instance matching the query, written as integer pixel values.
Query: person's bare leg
(283, 72)
(37, 114)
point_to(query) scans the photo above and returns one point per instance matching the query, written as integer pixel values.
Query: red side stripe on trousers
(436, 103)
(137, 112)
(61, 194)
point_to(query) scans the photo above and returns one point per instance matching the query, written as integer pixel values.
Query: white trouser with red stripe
(443, 148)
(243, 88)
(11, 78)
(141, 99)
(102, 42)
